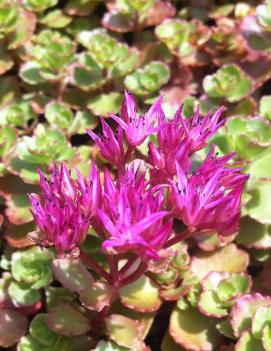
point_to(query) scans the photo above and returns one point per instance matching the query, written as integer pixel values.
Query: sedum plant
(135, 233)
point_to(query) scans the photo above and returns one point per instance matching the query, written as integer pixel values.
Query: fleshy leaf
(192, 330)
(56, 296)
(97, 295)
(142, 295)
(22, 294)
(229, 82)
(66, 320)
(72, 274)
(227, 259)
(109, 346)
(41, 332)
(58, 115)
(245, 309)
(148, 79)
(13, 326)
(265, 107)
(32, 266)
(210, 305)
(254, 234)
(261, 318)
(102, 104)
(125, 332)
(248, 343)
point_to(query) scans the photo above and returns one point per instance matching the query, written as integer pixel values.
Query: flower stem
(91, 264)
(113, 265)
(178, 237)
(127, 265)
(141, 269)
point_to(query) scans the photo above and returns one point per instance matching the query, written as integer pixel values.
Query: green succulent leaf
(226, 259)
(228, 82)
(211, 305)
(108, 346)
(53, 52)
(142, 295)
(31, 73)
(82, 121)
(97, 296)
(81, 7)
(248, 343)
(28, 343)
(8, 137)
(17, 114)
(192, 330)
(9, 11)
(6, 62)
(266, 339)
(58, 114)
(104, 49)
(39, 330)
(33, 267)
(148, 79)
(44, 146)
(124, 331)
(13, 326)
(254, 234)
(102, 104)
(55, 296)
(39, 5)
(72, 274)
(87, 74)
(22, 294)
(261, 318)
(225, 329)
(244, 311)
(265, 107)
(23, 30)
(67, 320)
(56, 19)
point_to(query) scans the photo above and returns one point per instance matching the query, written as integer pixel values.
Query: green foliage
(228, 82)
(33, 267)
(149, 79)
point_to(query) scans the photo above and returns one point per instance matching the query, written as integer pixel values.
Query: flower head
(178, 138)
(111, 145)
(132, 215)
(171, 148)
(137, 127)
(64, 209)
(210, 198)
(197, 130)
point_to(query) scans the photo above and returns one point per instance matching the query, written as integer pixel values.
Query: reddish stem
(91, 264)
(113, 265)
(141, 269)
(129, 153)
(127, 265)
(178, 237)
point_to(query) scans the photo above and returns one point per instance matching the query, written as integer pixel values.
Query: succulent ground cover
(128, 219)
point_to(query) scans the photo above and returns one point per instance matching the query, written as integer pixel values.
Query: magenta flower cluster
(134, 210)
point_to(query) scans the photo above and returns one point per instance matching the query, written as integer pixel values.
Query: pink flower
(137, 128)
(64, 209)
(132, 215)
(210, 198)
(171, 148)
(197, 130)
(111, 145)
(178, 139)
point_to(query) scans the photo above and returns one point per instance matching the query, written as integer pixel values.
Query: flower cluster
(134, 211)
